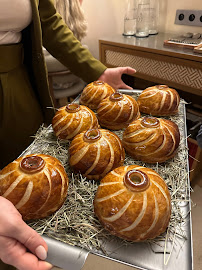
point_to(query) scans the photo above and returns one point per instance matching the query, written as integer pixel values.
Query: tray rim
(80, 250)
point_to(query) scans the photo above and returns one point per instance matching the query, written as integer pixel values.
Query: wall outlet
(188, 17)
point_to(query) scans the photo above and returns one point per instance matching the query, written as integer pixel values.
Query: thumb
(30, 239)
(128, 70)
(125, 86)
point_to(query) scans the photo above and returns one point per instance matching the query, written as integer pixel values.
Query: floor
(98, 263)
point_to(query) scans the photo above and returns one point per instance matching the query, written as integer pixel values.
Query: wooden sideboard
(157, 63)
(179, 68)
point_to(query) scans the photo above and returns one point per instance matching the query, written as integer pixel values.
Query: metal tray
(139, 255)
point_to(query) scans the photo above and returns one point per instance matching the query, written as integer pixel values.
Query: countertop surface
(154, 43)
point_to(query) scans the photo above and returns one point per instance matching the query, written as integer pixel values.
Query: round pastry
(96, 152)
(151, 139)
(95, 92)
(36, 184)
(72, 119)
(159, 100)
(117, 111)
(133, 203)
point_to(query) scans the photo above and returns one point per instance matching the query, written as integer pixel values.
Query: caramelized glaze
(94, 93)
(96, 152)
(72, 119)
(36, 184)
(151, 139)
(159, 100)
(117, 111)
(133, 203)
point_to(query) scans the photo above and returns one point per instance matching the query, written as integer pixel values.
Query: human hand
(112, 76)
(20, 245)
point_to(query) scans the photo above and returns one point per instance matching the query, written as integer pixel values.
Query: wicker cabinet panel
(173, 72)
(173, 69)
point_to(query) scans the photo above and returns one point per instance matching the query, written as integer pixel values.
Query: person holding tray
(25, 103)
(67, 85)
(24, 95)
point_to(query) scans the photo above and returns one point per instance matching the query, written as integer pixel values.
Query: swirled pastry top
(159, 100)
(36, 184)
(72, 119)
(96, 152)
(94, 93)
(133, 203)
(151, 139)
(117, 111)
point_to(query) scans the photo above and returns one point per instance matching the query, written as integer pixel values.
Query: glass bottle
(143, 17)
(154, 17)
(130, 18)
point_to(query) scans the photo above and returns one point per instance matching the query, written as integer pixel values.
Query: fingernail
(41, 252)
(49, 266)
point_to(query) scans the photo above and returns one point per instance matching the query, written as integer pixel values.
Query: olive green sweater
(49, 30)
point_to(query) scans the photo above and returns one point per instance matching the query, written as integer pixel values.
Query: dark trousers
(20, 112)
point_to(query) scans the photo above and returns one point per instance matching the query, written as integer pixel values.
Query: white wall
(105, 18)
(172, 6)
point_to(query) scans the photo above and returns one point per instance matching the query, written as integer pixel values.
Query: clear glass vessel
(143, 18)
(130, 18)
(154, 17)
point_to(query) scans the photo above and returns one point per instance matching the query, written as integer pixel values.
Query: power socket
(188, 17)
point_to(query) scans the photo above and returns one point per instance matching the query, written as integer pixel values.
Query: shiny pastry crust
(72, 119)
(96, 152)
(151, 139)
(117, 111)
(36, 184)
(131, 214)
(159, 100)
(94, 93)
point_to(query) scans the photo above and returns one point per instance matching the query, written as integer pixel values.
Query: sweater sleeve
(59, 40)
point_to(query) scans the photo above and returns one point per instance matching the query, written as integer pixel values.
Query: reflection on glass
(143, 16)
(154, 15)
(130, 18)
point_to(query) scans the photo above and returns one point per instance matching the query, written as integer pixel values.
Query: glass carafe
(143, 17)
(130, 18)
(154, 17)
